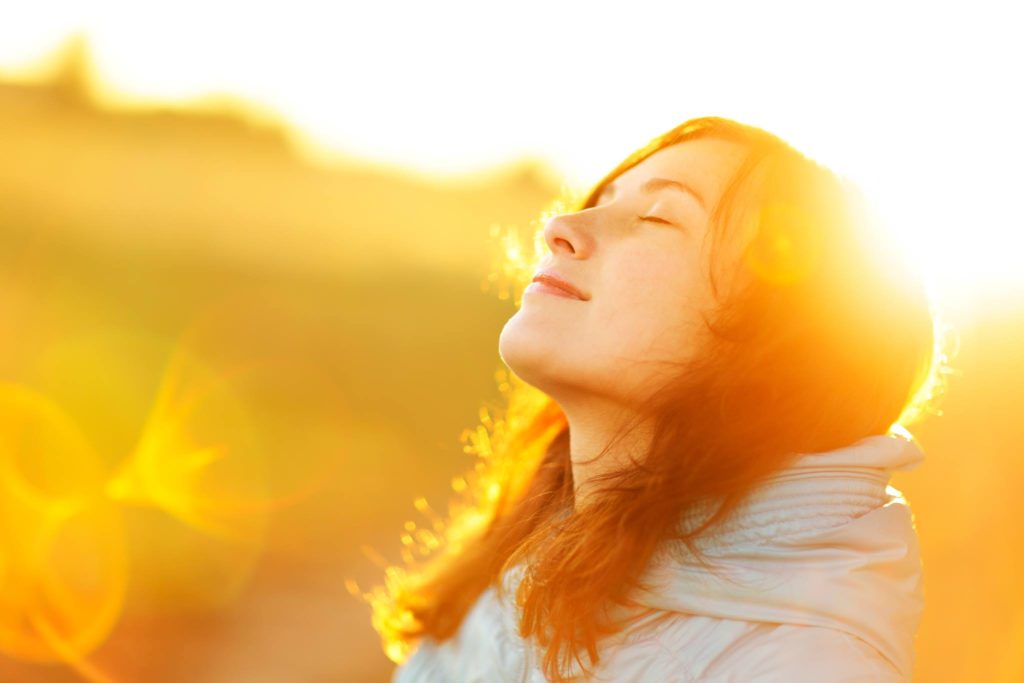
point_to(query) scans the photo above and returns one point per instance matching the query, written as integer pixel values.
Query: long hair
(822, 336)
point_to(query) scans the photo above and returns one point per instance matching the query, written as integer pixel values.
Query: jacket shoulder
(800, 654)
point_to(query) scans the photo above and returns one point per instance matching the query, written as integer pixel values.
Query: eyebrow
(655, 184)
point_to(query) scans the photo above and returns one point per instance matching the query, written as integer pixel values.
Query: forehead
(706, 164)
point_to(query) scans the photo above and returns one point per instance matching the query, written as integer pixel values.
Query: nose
(567, 233)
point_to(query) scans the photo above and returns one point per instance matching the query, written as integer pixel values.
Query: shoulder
(486, 642)
(797, 654)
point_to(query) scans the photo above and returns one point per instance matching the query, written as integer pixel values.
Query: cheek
(656, 304)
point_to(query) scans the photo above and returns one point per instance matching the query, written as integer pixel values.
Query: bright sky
(917, 102)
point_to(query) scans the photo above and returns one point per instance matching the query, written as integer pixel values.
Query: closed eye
(656, 219)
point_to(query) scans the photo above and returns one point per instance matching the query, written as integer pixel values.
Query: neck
(596, 447)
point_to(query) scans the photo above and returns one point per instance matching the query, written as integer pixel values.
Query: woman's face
(639, 258)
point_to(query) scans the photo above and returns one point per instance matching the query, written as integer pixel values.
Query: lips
(552, 279)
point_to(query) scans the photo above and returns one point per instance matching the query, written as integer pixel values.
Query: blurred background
(252, 278)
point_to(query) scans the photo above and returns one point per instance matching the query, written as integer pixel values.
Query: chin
(512, 347)
(526, 355)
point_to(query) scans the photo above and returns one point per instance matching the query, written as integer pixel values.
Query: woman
(713, 369)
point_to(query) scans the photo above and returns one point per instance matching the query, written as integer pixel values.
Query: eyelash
(655, 219)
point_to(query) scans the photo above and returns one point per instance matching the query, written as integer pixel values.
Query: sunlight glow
(434, 87)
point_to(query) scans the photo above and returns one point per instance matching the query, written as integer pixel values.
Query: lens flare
(63, 571)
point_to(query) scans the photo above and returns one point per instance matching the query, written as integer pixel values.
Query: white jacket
(822, 584)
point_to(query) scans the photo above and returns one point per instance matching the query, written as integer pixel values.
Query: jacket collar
(824, 542)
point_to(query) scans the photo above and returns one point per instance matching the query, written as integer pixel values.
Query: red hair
(823, 336)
